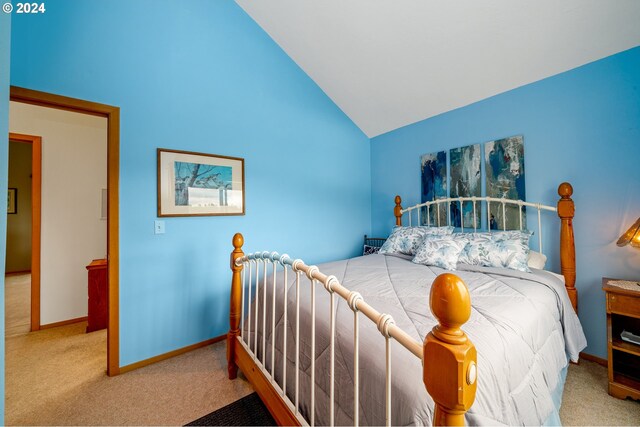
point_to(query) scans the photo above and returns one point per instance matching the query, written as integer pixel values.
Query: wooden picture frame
(199, 184)
(12, 201)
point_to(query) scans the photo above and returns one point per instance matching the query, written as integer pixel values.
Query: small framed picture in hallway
(12, 201)
(198, 184)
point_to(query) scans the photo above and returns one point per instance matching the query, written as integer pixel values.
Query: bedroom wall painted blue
(581, 126)
(5, 45)
(201, 77)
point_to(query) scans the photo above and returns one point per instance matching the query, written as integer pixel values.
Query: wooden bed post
(566, 211)
(235, 306)
(449, 369)
(397, 211)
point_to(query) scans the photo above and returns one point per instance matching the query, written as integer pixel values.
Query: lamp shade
(632, 236)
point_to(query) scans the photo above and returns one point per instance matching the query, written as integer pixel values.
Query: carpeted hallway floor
(57, 377)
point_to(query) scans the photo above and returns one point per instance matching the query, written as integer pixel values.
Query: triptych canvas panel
(465, 182)
(504, 169)
(434, 186)
(504, 178)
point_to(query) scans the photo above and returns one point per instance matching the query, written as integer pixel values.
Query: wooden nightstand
(623, 313)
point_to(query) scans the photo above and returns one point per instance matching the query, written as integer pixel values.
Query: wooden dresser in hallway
(97, 289)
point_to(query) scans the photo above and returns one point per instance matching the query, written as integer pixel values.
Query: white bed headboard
(422, 211)
(565, 210)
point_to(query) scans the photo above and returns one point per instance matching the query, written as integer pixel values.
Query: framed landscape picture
(12, 201)
(198, 184)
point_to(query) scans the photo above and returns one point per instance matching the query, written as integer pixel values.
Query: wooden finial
(566, 212)
(235, 305)
(565, 190)
(450, 370)
(238, 241)
(397, 211)
(451, 305)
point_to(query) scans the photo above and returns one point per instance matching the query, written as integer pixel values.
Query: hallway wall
(74, 172)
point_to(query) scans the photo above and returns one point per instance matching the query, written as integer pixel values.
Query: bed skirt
(554, 417)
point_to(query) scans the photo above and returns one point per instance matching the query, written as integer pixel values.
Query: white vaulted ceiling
(387, 63)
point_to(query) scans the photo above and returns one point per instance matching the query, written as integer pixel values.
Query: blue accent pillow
(504, 249)
(441, 252)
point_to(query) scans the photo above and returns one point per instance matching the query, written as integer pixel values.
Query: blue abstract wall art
(504, 169)
(465, 182)
(434, 186)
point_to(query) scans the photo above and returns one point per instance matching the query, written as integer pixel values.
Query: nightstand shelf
(627, 347)
(626, 381)
(623, 313)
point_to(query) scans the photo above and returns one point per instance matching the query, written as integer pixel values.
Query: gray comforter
(522, 325)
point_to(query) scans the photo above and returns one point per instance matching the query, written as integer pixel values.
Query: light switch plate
(159, 227)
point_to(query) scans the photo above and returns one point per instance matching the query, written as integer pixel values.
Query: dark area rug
(248, 411)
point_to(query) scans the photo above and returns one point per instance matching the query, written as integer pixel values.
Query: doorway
(112, 114)
(26, 193)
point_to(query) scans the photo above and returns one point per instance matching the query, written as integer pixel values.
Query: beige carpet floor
(17, 300)
(587, 402)
(57, 377)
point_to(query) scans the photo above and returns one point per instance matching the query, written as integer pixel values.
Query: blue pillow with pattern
(504, 249)
(405, 240)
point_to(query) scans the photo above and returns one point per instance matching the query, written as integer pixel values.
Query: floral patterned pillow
(505, 249)
(405, 240)
(370, 250)
(442, 252)
(497, 235)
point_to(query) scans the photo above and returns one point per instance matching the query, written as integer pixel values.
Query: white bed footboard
(449, 358)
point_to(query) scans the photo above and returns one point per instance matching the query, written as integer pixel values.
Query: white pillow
(440, 251)
(536, 260)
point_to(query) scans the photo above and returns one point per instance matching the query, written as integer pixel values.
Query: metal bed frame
(448, 356)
